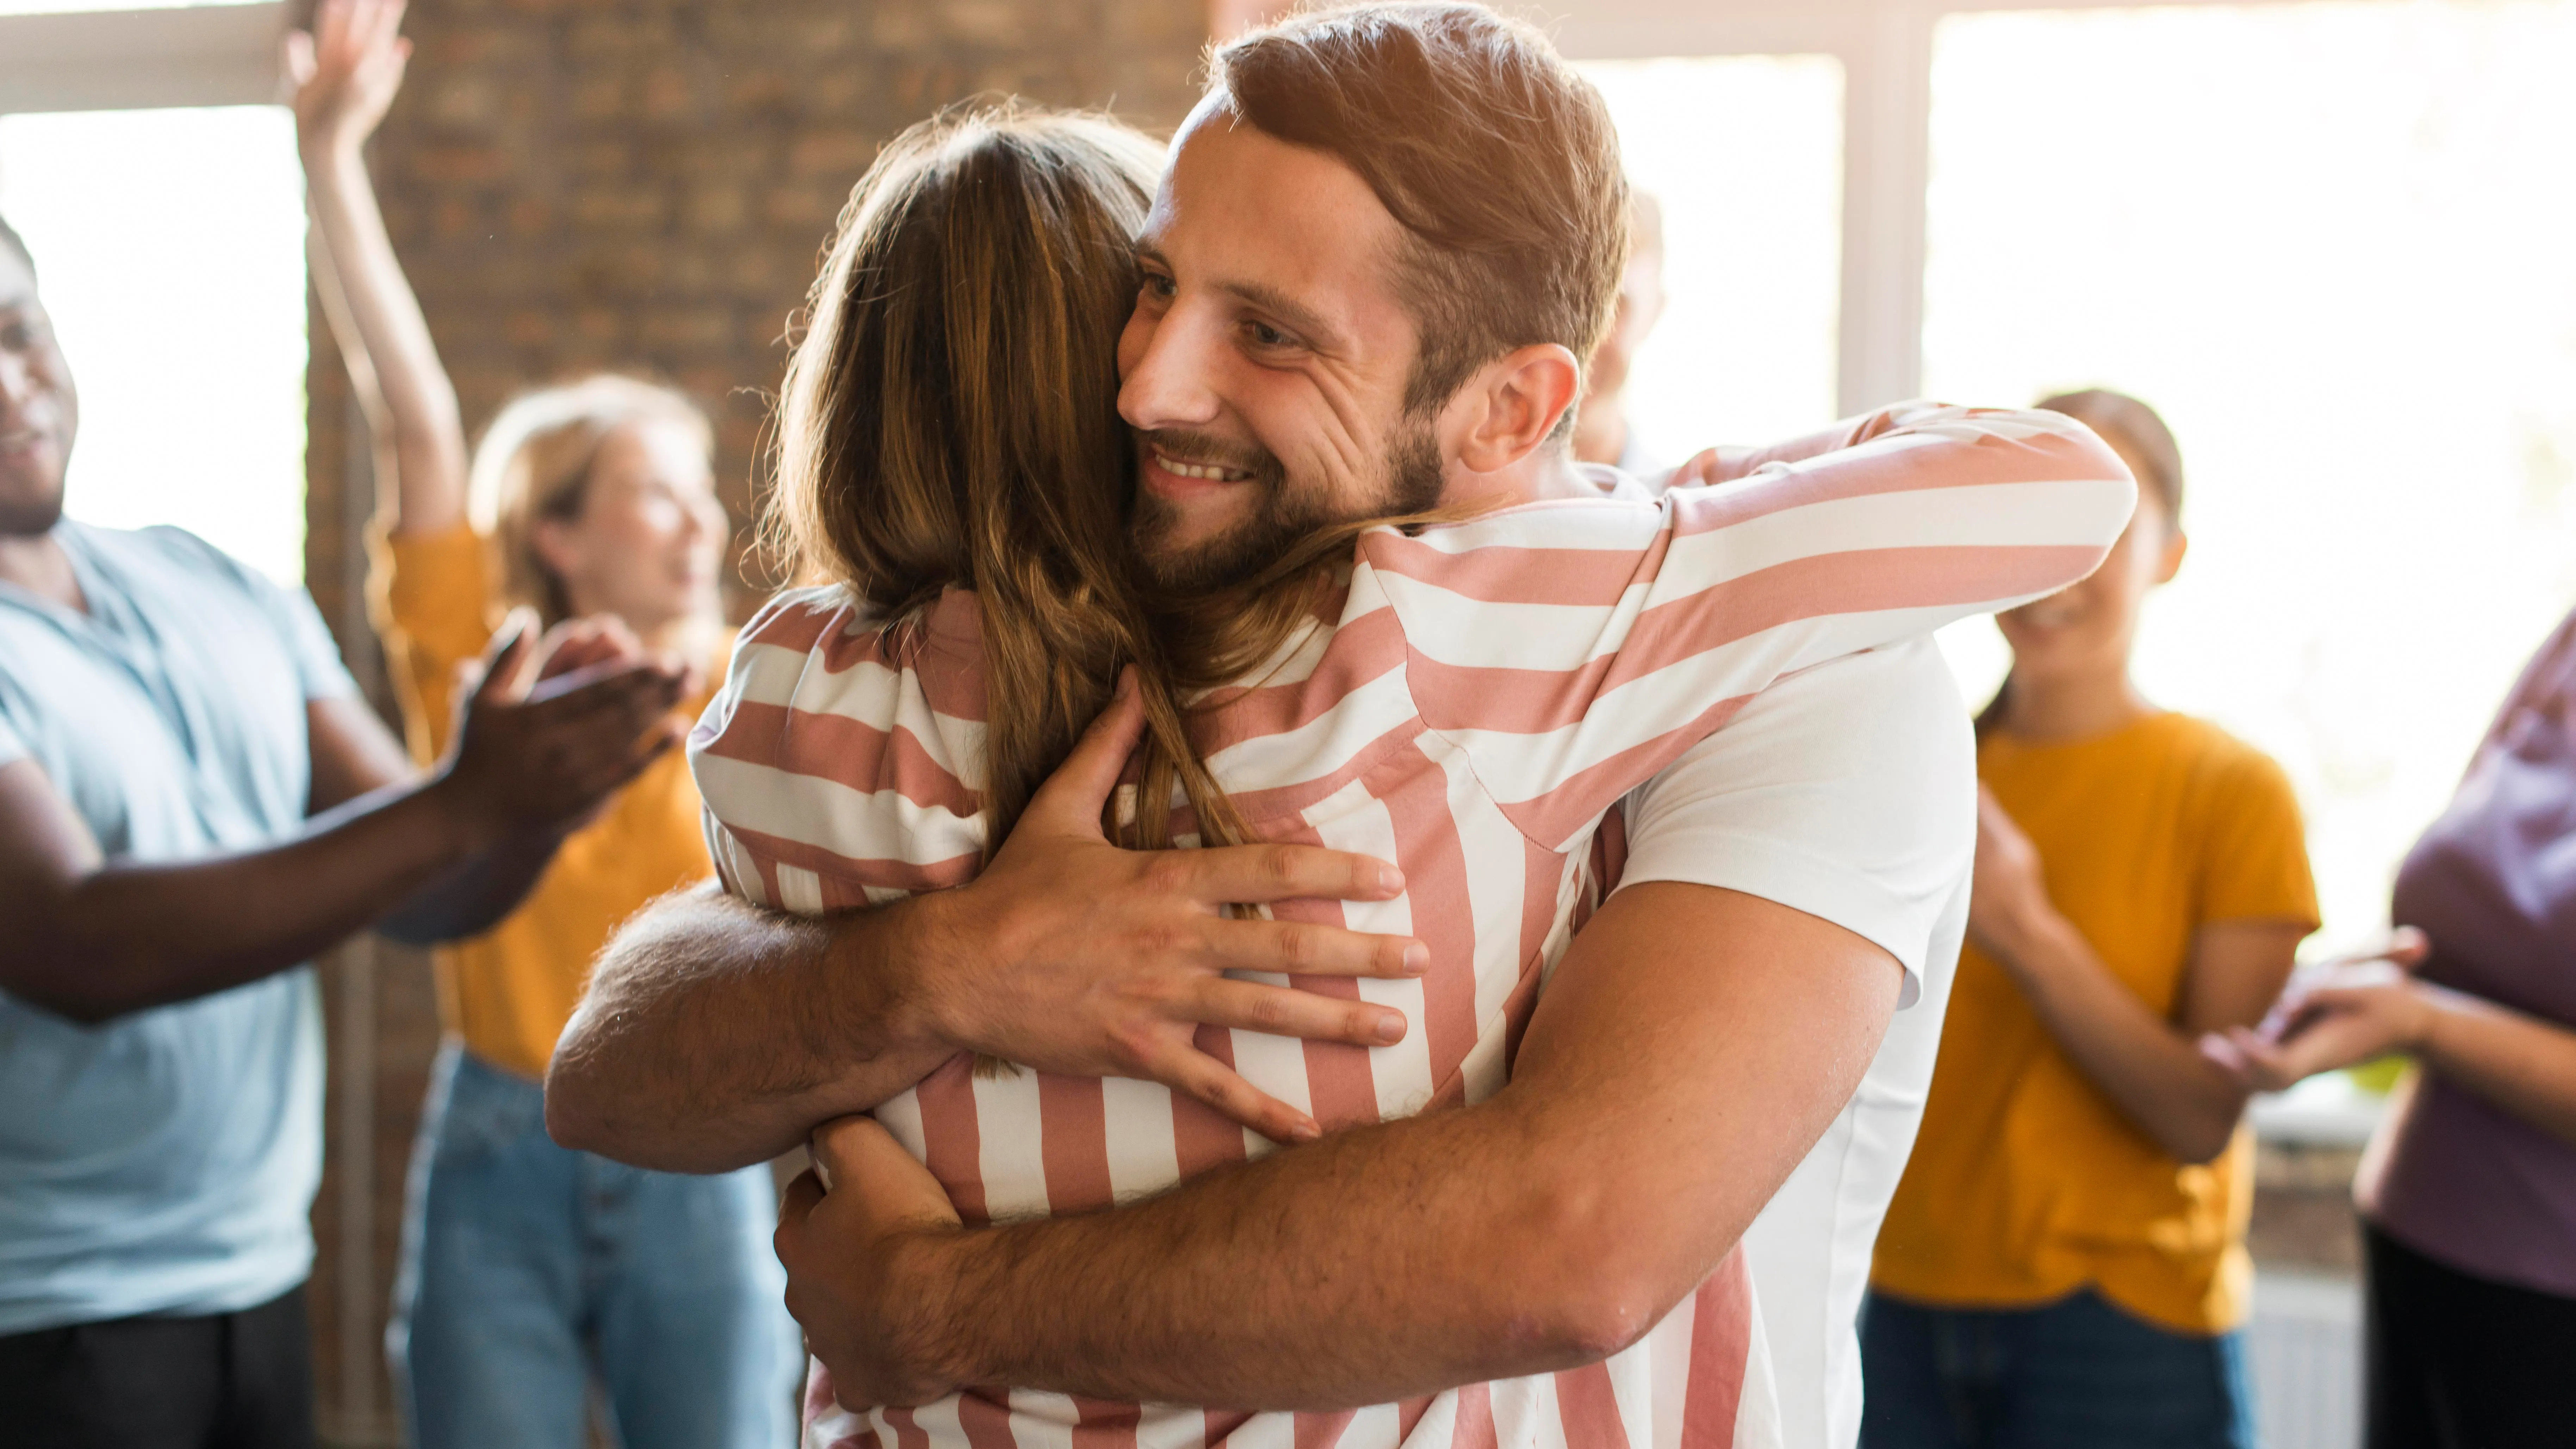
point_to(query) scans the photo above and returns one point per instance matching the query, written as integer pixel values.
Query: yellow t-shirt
(508, 992)
(2026, 1183)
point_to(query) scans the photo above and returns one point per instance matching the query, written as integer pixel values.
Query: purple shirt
(2493, 882)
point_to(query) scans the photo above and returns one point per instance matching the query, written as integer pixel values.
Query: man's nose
(1168, 386)
(18, 385)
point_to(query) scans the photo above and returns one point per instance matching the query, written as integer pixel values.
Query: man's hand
(345, 71)
(533, 753)
(1074, 956)
(716, 1034)
(841, 1235)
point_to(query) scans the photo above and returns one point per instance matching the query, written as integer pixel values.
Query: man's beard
(31, 511)
(1282, 517)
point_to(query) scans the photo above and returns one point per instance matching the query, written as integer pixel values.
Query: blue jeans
(2079, 1373)
(527, 1269)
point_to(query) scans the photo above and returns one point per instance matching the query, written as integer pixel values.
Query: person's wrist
(902, 972)
(464, 823)
(2419, 1030)
(931, 1272)
(2021, 931)
(327, 147)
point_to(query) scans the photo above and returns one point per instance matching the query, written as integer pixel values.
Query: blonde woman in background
(2064, 1261)
(529, 1269)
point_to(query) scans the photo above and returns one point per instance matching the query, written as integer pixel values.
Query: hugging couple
(1268, 885)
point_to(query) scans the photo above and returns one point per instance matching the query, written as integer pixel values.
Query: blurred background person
(2064, 1260)
(527, 1268)
(1601, 431)
(194, 801)
(2468, 1192)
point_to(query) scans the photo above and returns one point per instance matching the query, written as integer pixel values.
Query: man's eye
(1265, 335)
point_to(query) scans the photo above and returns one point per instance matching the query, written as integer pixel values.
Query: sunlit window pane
(170, 249)
(2336, 245)
(1745, 153)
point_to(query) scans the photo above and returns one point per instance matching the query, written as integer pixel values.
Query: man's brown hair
(1496, 157)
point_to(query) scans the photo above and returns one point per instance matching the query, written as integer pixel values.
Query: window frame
(1885, 47)
(133, 60)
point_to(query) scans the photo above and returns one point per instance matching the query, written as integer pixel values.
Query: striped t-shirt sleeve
(828, 778)
(1574, 649)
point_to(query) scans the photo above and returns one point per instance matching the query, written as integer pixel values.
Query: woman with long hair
(528, 1271)
(2064, 1260)
(952, 463)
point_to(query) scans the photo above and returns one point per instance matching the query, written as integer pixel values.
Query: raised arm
(1658, 1071)
(346, 73)
(717, 1034)
(93, 938)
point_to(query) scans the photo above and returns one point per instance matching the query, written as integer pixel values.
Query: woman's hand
(2334, 1014)
(2009, 892)
(346, 71)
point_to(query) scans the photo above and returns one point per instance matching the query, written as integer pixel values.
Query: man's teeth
(1201, 470)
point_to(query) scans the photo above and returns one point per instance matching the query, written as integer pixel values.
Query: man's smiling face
(1265, 366)
(38, 411)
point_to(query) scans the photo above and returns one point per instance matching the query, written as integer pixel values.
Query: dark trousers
(225, 1381)
(2079, 1373)
(2460, 1362)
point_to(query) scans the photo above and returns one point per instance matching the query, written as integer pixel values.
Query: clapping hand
(550, 729)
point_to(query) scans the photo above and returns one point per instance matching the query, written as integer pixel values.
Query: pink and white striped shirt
(1485, 692)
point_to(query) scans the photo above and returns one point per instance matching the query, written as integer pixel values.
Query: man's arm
(715, 1035)
(93, 939)
(1665, 1088)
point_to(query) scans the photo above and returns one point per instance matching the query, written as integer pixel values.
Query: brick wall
(578, 184)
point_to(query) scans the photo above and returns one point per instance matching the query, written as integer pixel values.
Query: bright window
(2335, 244)
(1745, 154)
(170, 250)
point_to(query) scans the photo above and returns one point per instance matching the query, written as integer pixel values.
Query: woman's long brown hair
(950, 419)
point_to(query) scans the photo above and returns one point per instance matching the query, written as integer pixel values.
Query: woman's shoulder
(2223, 768)
(827, 648)
(800, 620)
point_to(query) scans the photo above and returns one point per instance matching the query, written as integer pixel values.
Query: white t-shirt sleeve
(1847, 791)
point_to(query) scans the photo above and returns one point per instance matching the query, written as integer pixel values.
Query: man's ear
(1511, 406)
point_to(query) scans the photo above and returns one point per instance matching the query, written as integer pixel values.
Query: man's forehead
(1248, 209)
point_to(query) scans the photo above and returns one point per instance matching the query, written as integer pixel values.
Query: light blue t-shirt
(164, 1163)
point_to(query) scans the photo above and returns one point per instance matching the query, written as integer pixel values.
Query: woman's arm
(346, 73)
(2148, 1066)
(2349, 1012)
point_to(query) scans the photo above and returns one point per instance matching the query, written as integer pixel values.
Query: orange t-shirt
(509, 991)
(2026, 1183)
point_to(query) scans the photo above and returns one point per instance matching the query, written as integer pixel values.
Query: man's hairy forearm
(716, 1034)
(1658, 1101)
(1213, 1265)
